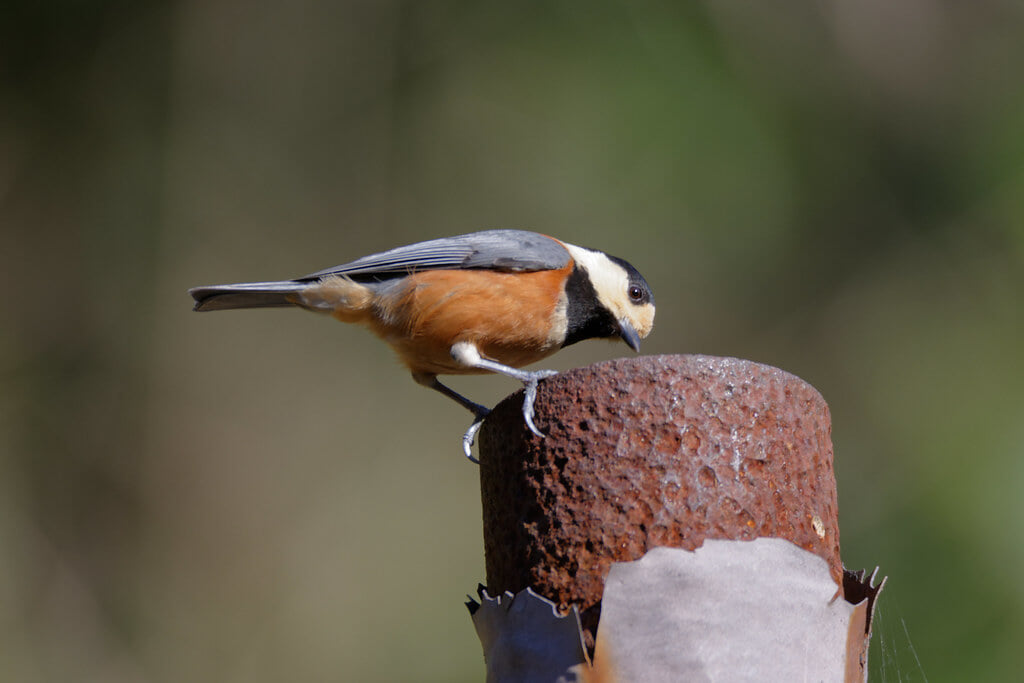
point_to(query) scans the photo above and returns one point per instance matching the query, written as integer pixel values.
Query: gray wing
(510, 250)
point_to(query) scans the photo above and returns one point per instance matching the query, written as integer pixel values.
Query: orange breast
(508, 316)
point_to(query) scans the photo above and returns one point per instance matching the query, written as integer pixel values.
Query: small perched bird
(490, 301)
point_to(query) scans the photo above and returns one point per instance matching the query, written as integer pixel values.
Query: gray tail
(246, 295)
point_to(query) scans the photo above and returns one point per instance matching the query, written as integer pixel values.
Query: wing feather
(507, 250)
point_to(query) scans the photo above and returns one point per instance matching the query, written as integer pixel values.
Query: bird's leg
(467, 354)
(479, 411)
(432, 382)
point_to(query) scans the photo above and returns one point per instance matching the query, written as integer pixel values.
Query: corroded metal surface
(652, 451)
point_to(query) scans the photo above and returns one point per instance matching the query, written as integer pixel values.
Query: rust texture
(651, 451)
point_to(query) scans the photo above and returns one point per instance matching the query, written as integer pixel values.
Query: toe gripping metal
(529, 380)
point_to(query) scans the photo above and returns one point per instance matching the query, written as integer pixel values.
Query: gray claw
(529, 423)
(530, 395)
(470, 436)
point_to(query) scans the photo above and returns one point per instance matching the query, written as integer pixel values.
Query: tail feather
(246, 295)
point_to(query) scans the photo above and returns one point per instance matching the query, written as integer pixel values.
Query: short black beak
(629, 335)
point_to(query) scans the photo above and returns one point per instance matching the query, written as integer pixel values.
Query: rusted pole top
(652, 451)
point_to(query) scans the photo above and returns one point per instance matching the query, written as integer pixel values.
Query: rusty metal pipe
(651, 451)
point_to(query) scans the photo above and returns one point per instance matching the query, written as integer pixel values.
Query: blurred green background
(835, 187)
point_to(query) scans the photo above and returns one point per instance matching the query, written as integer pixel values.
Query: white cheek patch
(609, 280)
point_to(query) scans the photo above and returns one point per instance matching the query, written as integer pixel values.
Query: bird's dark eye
(635, 293)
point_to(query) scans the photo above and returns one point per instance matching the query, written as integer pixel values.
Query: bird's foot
(470, 436)
(530, 380)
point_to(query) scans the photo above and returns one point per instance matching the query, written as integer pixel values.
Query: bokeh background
(835, 187)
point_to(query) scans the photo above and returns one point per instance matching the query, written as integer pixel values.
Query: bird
(483, 302)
